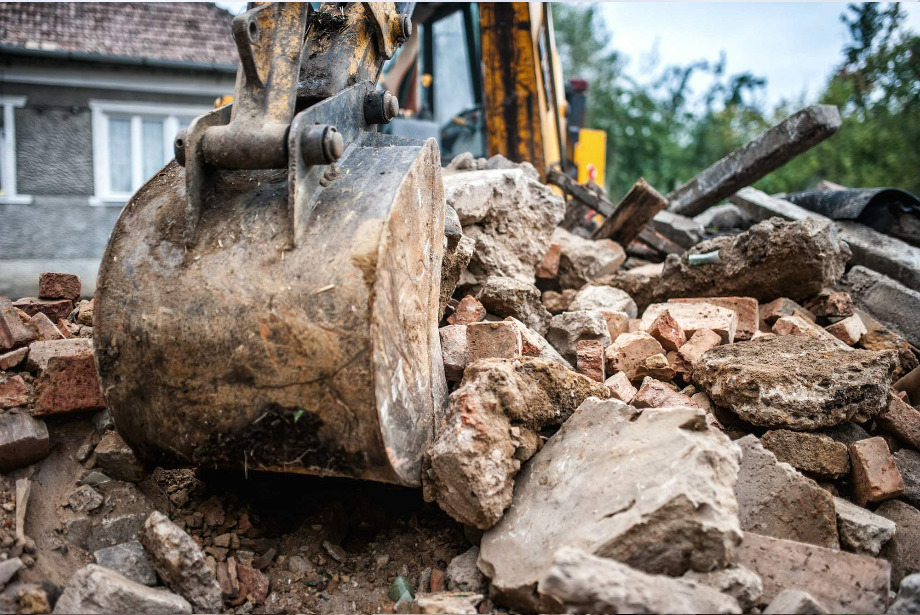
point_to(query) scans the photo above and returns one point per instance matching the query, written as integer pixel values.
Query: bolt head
(333, 144)
(390, 106)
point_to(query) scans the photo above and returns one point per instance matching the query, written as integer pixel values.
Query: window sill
(108, 201)
(15, 199)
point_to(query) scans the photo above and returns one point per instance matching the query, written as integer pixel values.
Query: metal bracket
(391, 29)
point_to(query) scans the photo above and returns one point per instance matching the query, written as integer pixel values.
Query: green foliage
(666, 132)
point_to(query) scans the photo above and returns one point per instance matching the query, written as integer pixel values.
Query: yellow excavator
(269, 300)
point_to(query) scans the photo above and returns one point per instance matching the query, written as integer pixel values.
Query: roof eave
(99, 58)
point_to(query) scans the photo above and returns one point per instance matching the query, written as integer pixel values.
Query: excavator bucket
(269, 301)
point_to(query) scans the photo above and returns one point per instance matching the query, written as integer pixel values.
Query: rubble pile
(734, 428)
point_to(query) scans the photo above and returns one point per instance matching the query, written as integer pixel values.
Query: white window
(131, 142)
(8, 193)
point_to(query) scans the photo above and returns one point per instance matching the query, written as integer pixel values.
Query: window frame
(10, 195)
(101, 111)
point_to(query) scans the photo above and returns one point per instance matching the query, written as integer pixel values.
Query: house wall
(54, 149)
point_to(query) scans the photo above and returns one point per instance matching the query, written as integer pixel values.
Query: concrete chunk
(908, 600)
(775, 500)
(453, 351)
(860, 530)
(903, 550)
(94, 589)
(742, 584)
(768, 151)
(583, 260)
(181, 563)
(795, 382)
(584, 583)
(908, 463)
(509, 215)
(813, 453)
(593, 297)
(569, 328)
(117, 460)
(23, 440)
(583, 490)
(535, 345)
(130, 560)
(773, 259)
(842, 582)
(895, 305)
(491, 428)
(620, 388)
(791, 601)
(509, 297)
(656, 394)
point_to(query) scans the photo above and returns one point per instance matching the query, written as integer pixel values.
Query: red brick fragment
(468, 311)
(548, 269)
(629, 352)
(67, 379)
(13, 358)
(590, 359)
(55, 309)
(498, 340)
(656, 394)
(874, 477)
(46, 328)
(902, 420)
(58, 286)
(13, 392)
(773, 311)
(849, 330)
(668, 333)
(617, 322)
(746, 308)
(620, 387)
(13, 331)
(699, 344)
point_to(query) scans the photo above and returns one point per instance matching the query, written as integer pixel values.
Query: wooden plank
(632, 213)
(770, 150)
(659, 241)
(569, 185)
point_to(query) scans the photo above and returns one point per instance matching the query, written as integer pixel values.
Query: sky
(794, 45)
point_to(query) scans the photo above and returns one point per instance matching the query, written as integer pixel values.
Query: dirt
(378, 531)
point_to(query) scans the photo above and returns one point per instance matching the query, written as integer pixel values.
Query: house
(91, 97)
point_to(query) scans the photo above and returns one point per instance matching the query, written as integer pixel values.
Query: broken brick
(556, 303)
(468, 311)
(694, 316)
(13, 331)
(746, 308)
(617, 322)
(849, 330)
(13, 391)
(55, 309)
(656, 394)
(453, 351)
(67, 379)
(773, 311)
(548, 268)
(657, 366)
(902, 420)
(831, 304)
(620, 387)
(590, 359)
(699, 344)
(680, 365)
(13, 358)
(629, 352)
(796, 325)
(668, 333)
(85, 312)
(58, 286)
(46, 328)
(568, 328)
(874, 476)
(493, 340)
